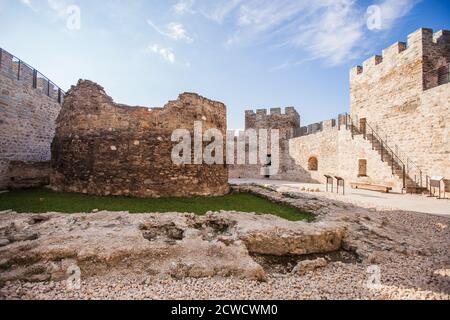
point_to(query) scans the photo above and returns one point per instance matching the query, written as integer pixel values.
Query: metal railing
(35, 74)
(409, 169)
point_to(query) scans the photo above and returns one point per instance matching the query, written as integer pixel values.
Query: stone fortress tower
(95, 145)
(404, 95)
(398, 130)
(288, 125)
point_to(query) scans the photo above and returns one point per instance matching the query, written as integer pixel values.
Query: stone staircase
(413, 179)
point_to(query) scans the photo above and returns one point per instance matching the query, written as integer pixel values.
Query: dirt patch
(285, 264)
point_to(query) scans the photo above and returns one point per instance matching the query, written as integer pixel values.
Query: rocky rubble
(370, 234)
(123, 256)
(42, 247)
(306, 266)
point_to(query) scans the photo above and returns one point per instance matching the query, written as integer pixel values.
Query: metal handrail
(36, 73)
(408, 161)
(405, 167)
(384, 143)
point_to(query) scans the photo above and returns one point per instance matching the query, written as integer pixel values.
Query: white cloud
(217, 10)
(331, 30)
(29, 4)
(26, 2)
(165, 53)
(176, 31)
(184, 6)
(392, 10)
(231, 40)
(325, 29)
(267, 14)
(59, 7)
(173, 30)
(335, 34)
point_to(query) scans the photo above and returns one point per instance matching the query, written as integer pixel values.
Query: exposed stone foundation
(23, 175)
(104, 148)
(232, 248)
(177, 245)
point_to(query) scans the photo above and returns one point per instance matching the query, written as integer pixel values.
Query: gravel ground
(403, 280)
(410, 250)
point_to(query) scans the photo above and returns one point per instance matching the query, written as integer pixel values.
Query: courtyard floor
(363, 198)
(384, 254)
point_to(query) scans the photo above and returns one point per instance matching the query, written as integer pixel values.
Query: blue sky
(246, 53)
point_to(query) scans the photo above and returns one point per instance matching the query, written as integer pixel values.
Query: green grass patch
(44, 200)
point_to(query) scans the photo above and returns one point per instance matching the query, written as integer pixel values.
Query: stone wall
(23, 175)
(104, 148)
(399, 95)
(338, 154)
(288, 124)
(27, 115)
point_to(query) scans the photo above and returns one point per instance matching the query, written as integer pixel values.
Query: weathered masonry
(404, 94)
(398, 130)
(104, 148)
(29, 105)
(288, 125)
(396, 135)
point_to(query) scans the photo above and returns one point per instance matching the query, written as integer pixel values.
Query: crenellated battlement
(29, 106)
(421, 43)
(403, 95)
(274, 118)
(311, 129)
(289, 111)
(17, 70)
(326, 125)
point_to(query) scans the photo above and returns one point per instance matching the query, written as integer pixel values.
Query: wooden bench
(371, 187)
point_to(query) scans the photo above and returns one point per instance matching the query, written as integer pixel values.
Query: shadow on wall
(25, 175)
(288, 170)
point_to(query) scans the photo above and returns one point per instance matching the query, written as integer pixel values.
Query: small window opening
(362, 168)
(313, 164)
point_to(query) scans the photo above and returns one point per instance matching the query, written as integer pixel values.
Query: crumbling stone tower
(104, 148)
(404, 95)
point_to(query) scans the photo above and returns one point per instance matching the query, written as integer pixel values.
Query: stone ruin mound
(104, 148)
(43, 247)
